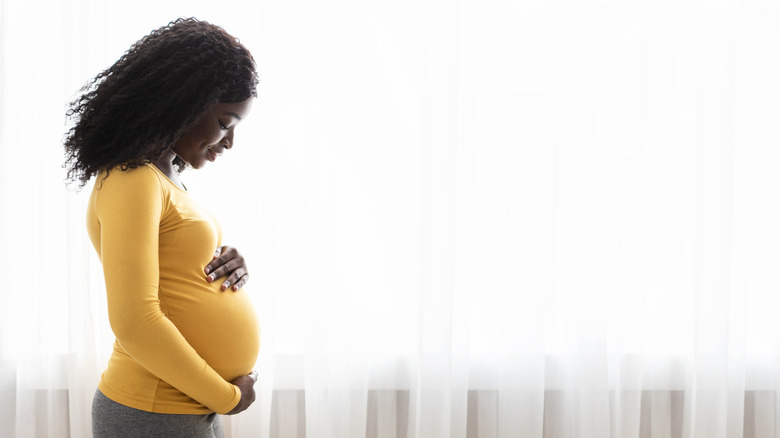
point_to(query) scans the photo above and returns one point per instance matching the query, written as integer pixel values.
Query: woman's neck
(165, 164)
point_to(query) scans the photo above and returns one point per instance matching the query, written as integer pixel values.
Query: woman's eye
(222, 126)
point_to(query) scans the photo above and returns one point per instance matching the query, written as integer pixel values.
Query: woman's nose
(228, 140)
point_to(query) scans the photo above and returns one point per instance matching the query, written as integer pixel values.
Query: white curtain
(472, 219)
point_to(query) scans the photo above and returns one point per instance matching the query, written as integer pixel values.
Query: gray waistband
(114, 420)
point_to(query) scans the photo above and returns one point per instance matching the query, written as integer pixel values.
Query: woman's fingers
(220, 256)
(234, 279)
(216, 268)
(241, 282)
(246, 386)
(229, 263)
(227, 268)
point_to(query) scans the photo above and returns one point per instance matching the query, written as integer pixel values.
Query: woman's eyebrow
(233, 115)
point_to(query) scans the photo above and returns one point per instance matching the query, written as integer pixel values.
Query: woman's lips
(212, 156)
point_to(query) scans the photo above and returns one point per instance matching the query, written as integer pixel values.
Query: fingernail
(207, 269)
(224, 286)
(210, 278)
(235, 288)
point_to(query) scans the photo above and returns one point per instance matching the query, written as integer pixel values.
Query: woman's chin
(198, 164)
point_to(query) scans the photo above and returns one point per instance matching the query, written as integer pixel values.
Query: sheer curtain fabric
(473, 219)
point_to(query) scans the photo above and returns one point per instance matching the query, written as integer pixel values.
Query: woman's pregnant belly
(221, 326)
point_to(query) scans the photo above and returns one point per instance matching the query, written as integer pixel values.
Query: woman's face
(212, 133)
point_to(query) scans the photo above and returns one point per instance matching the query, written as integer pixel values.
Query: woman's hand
(247, 386)
(227, 262)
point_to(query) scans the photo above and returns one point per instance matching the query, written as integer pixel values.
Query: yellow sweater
(179, 340)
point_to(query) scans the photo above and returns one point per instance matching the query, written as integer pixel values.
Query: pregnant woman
(186, 333)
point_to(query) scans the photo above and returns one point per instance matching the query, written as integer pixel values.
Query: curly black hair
(131, 113)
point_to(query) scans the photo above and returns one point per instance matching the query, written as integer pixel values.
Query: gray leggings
(114, 420)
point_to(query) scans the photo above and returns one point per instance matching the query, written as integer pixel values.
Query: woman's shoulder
(121, 177)
(138, 188)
